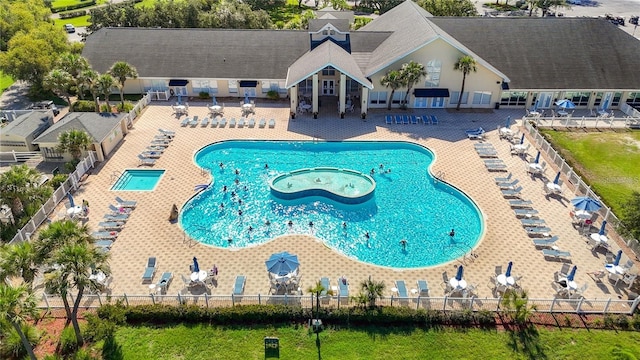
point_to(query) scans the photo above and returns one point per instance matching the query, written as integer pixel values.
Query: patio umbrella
(179, 99)
(601, 232)
(557, 178)
(196, 267)
(522, 139)
(70, 197)
(509, 266)
(460, 273)
(282, 263)
(508, 123)
(565, 104)
(617, 259)
(537, 157)
(586, 203)
(214, 101)
(572, 273)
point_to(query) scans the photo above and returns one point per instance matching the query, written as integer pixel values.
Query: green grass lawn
(209, 342)
(287, 13)
(75, 21)
(5, 82)
(608, 161)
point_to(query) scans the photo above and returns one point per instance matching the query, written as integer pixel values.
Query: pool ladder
(439, 177)
(115, 176)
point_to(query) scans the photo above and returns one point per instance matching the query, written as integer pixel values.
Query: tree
(59, 81)
(19, 260)
(449, 7)
(545, 5)
(18, 305)
(19, 188)
(74, 141)
(75, 65)
(392, 79)
(316, 290)
(103, 85)
(516, 305)
(76, 261)
(411, 73)
(372, 290)
(381, 6)
(465, 64)
(631, 215)
(89, 80)
(121, 71)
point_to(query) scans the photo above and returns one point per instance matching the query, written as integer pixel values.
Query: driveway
(15, 97)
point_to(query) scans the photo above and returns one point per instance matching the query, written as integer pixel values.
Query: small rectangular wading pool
(138, 180)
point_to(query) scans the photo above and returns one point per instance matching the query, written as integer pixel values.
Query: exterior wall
(136, 86)
(482, 80)
(9, 142)
(114, 138)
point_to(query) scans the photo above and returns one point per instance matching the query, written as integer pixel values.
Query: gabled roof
(193, 53)
(338, 14)
(29, 123)
(341, 25)
(98, 126)
(552, 53)
(326, 54)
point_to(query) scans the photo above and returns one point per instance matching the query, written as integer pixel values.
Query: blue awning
(505, 86)
(248, 83)
(178, 82)
(425, 93)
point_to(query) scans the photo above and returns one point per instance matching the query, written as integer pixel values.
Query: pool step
(122, 182)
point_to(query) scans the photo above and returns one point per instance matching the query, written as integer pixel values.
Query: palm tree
(74, 141)
(466, 64)
(75, 65)
(17, 305)
(59, 233)
(59, 81)
(19, 260)
(318, 289)
(516, 304)
(411, 73)
(121, 71)
(372, 290)
(103, 85)
(19, 187)
(392, 79)
(90, 82)
(75, 264)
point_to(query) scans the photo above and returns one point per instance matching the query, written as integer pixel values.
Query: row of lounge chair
(113, 222)
(490, 157)
(411, 119)
(241, 122)
(156, 148)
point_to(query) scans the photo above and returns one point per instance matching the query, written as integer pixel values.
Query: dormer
(321, 30)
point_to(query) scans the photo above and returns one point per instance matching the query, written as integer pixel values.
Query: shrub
(609, 321)
(203, 95)
(73, 14)
(104, 108)
(84, 106)
(126, 108)
(68, 341)
(622, 321)
(98, 329)
(485, 318)
(273, 95)
(635, 322)
(71, 165)
(57, 180)
(11, 346)
(461, 317)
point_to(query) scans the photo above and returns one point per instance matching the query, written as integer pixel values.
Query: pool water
(407, 204)
(138, 180)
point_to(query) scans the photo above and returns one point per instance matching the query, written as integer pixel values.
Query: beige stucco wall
(112, 140)
(5, 139)
(136, 86)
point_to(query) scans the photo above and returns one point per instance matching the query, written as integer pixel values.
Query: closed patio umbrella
(522, 139)
(601, 232)
(572, 273)
(196, 267)
(616, 261)
(246, 98)
(508, 123)
(179, 99)
(605, 105)
(586, 203)
(535, 106)
(70, 197)
(509, 266)
(460, 273)
(214, 100)
(537, 157)
(557, 178)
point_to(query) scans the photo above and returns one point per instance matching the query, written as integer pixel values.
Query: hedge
(80, 5)
(73, 14)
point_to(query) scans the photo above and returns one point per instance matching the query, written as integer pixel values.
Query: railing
(115, 176)
(585, 122)
(629, 110)
(138, 108)
(20, 156)
(578, 306)
(581, 188)
(59, 194)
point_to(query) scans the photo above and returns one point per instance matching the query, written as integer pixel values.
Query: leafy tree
(546, 5)
(59, 81)
(372, 290)
(382, 6)
(121, 71)
(465, 64)
(19, 260)
(75, 65)
(516, 305)
(17, 306)
(88, 79)
(74, 141)
(411, 73)
(392, 79)
(59, 233)
(449, 7)
(316, 290)
(103, 84)
(20, 16)
(19, 188)
(631, 215)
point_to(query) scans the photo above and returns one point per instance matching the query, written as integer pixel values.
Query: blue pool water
(138, 180)
(408, 203)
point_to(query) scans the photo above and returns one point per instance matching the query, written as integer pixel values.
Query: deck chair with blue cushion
(238, 287)
(325, 284)
(262, 123)
(405, 119)
(414, 119)
(426, 119)
(388, 119)
(163, 283)
(545, 242)
(434, 120)
(398, 119)
(503, 179)
(556, 254)
(402, 289)
(150, 270)
(343, 288)
(525, 212)
(103, 244)
(214, 121)
(126, 203)
(252, 123)
(423, 288)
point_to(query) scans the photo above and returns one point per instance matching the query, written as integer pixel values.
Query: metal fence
(59, 194)
(556, 305)
(581, 188)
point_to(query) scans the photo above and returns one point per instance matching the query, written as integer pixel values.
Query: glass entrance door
(546, 99)
(328, 87)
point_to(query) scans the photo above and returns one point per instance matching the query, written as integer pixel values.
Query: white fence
(59, 194)
(137, 109)
(629, 110)
(556, 305)
(20, 156)
(586, 122)
(581, 188)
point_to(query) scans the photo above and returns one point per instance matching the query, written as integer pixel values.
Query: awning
(248, 83)
(425, 93)
(505, 85)
(178, 82)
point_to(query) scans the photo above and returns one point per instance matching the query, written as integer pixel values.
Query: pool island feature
(342, 185)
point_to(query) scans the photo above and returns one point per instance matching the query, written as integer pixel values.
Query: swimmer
(221, 166)
(245, 188)
(237, 172)
(233, 194)
(239, 201)
(403, 243)
(266, 166)
(373, 171)
(381, 166)
(344, 224)
(239, 212)
(224, 188)
(229, 240)
(290, 223)
(267, 222)
(310, 223)
(366, 235)
(236, 181)
(452, 234)
(221, 206)
(250, 228)
(388, 171)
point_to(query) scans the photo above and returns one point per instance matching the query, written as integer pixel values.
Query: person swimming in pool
(237, 172)
(403, 243)
(373, 171)
(366, 235)
(224, 188)
(290, 223)
(221, 166)
(452, 234)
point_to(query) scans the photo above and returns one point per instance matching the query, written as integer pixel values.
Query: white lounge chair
(252, 122)
(232, 122)
(262, 123)
(508, 185)
(146, 161)
(194, 121)
(496, 166)
(517, 203)
(185, 121)
(223, 122)
(241, 122)
(272, 123)
(205, 122)
(526, 212)
(545, 242)
(150, 270)
(214, 122)
(126, 203)
(512, 192)
(151, 154)
(533, 222)
(537, 231)
(167, 132)
(503, 179)
(557, 254)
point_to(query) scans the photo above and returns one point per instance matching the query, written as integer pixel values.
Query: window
(155, 85)
(433, 73)
(578, 98)
(616, 99)
(328, 71)
(398, 97)
(233, 86)
(205, 85)
(481, 97)
(378, 97)
(352, 86)
(420, 103)
(514, 98)
(454, 98)
(634, 98)
(275, 85)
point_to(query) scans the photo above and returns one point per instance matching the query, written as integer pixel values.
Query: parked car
(69, 28)
(46, 104)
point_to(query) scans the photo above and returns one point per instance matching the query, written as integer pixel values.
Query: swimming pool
(138, 180)
(407, 204)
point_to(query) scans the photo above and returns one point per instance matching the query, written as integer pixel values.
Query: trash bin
(497, 106)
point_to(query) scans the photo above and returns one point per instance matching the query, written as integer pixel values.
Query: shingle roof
(552, 53)
(26, 124)
(317, 24)
(98, 126)
(189, 53)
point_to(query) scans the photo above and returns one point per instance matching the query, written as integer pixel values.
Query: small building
(18, 134)
(106, 130)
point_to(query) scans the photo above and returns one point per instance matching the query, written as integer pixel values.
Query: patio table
(617, 269)
(181, 109)
(215, 109)
(457, 284)
(553, 188)
(600, 239)
(75, 210)
(199, 276)
(562, 113)
(506, 281)
(535, 168)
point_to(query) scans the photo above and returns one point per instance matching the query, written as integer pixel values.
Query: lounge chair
(185, 121)
(508, 185)
(533, 222)
(111, 225)
(116, 217)
(103, 243)
(525, 212)
(205, 122)
(126, 203)
(402, 289)
(167, 132)
(325, 284)
(159, 149)
(262, 123)
(119, 210)
(150, 270)
(162, 143)
(343, 287)
(252, 122)
(545, 242)
(232, 122)
(146, 161)
(426, 119)
(238, 287)
(487, 153)
(537, 230)
(164, 282)
(512, 192)
(557, 254)
(388, 119)
(405, 119)
(241, 122)
(398, 119)
(194, 121)
(223, 122)
(104, 234)
(517, 203)
(423, 288)
(478, 130)
(496, 167)
(163, 137)
(272, 123)
(151, 154)
(214, 122)
(503, 179)
(434, 120)
(414, 119)
(476, 136)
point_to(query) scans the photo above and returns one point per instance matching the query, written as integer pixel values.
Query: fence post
(46, 300)
(553, 302)
(473, 297)
(391, 300)
(338, 301)
(179, 299)
(206, 300)
(498, 304)
(99, 299)
(233, 300)
(126, 299)
(606, 306)
(259, 300)
(418, 303)
(444, 304)
(579, 305)
(634, 305)
(15, 158)
(153, 299)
